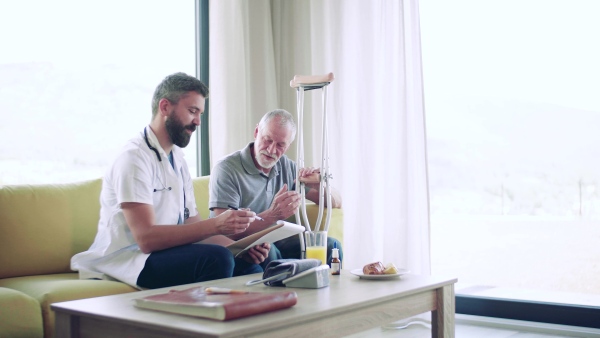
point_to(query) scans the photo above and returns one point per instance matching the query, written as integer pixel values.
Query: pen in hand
(234, 208)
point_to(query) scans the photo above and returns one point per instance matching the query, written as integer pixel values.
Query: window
(512, 107)
(77, 78)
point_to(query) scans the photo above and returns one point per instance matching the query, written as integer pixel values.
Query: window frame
(528, 310)
(202, 73)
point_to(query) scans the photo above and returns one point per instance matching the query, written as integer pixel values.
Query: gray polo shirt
(235, 180)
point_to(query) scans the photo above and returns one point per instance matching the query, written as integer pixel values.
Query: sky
(529, 50)
(533, 50)
(77, 33)
(511, 101)
(77, 77)
(541, 50)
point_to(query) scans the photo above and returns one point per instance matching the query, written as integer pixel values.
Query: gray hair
(285, 120)
(174, 86)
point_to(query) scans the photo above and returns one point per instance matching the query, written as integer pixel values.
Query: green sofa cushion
(20, 315)
(201, 195)
(48, 289)
(43, 226)
(335, 223)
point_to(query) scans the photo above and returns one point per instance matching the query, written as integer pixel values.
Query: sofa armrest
(20, 315)
(336, 223)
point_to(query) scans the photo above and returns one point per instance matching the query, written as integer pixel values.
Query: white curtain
(375, 107)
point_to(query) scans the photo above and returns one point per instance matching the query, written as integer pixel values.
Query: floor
(474, 327)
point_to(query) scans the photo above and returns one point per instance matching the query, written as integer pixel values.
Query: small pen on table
(214, 290)
(234, 208)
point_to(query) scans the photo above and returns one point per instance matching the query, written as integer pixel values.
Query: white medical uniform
(135, 176)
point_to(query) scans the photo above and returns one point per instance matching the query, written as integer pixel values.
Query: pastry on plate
(390, 269)
(375, 268)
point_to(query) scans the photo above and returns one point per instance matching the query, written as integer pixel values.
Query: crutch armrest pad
(300, 80)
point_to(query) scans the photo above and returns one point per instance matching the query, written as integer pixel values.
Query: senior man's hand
(257, 254)
(285, 204)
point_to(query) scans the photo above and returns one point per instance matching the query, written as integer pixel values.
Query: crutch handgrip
(312, 178)
(301, 80)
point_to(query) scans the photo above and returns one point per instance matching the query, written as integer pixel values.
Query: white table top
(344, 292)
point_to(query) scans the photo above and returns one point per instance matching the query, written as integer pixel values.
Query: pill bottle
(336, 264)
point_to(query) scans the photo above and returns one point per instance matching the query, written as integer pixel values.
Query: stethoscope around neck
(164, 188)
(186, 211)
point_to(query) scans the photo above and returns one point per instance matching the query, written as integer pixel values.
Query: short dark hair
(174, 86)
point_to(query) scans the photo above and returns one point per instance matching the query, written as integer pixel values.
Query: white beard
(268, 164)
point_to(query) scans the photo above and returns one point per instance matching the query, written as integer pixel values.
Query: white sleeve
(132, 178)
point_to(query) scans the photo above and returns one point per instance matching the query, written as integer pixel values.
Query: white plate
(360, 274)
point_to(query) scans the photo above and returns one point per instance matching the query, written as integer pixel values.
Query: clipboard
(271, 234)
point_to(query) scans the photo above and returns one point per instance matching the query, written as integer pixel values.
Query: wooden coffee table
(348, 305)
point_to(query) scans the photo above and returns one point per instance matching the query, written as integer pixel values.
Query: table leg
(66, 325)
(442, 319)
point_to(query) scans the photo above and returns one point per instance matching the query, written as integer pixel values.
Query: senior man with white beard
(262, 178)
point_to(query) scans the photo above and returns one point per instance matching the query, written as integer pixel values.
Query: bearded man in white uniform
(149, 227)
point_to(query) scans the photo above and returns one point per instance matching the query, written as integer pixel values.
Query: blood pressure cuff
(287, 268)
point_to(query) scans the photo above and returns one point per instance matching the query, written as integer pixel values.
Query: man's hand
(311, 177)
(232, 222)
(285, 203)
(257, 254)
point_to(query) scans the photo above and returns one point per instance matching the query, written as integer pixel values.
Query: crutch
(302, 84)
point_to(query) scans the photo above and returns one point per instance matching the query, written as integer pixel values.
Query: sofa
(41, 228)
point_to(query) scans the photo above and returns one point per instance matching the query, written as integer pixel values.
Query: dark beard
(176, 131)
